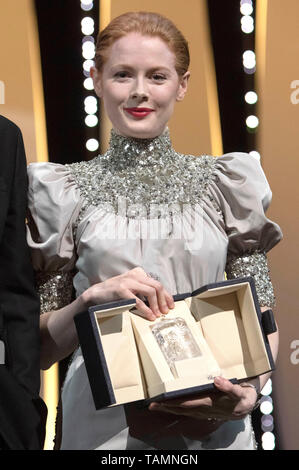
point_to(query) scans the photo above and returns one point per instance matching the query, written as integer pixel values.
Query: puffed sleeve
(54, 204)
(244, 195)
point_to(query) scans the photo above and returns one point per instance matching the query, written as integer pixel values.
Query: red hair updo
(147, 24)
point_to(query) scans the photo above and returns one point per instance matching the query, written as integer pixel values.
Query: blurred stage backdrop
(243, 96)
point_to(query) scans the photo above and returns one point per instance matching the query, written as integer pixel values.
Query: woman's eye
(121, 74)
(158, 77)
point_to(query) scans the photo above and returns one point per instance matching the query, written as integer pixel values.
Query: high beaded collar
(128, 152)
(143, 173)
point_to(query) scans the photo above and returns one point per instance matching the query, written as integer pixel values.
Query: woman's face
(139, 85)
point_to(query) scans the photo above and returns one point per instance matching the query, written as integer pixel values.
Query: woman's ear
(183, 86)
(96, 78)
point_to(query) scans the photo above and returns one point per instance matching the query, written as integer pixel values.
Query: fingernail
(218, 380)
(156, 313)
(155, 406)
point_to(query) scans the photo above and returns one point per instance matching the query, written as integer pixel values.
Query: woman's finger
(165, 299)
(235, 392)
(204, 413)
(167, 409)
(142, 309)
(159, 299)
(195, 402)
(162, 297)
(148, 291)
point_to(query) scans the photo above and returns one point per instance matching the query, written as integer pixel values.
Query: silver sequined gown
(186, 219)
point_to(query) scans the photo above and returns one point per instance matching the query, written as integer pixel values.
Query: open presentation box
(125, 362)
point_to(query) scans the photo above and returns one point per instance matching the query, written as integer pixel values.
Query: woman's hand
(131, 285)
(235, 402)
(58, 331)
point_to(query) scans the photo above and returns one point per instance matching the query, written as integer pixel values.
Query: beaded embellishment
(144, 175)
(256, 266)
(55, 289)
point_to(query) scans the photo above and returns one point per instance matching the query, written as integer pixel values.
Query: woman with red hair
(92, 228)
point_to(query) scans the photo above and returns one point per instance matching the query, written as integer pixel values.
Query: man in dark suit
(22, 412)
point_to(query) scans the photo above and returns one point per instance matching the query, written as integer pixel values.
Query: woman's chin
(140, 131)
(138, 128)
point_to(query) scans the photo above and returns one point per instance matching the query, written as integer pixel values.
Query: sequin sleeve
(244, 195)
(54, 204)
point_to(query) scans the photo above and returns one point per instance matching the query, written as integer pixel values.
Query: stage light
(252, 122)
(88, 50)
(92, 145)
(268, 441)
(266, 405)
(247, 24)
(87, 26)
(87, 38)
(88, 54)
(249, 71)
(91, 120)
(267, 420)
(88, 84)
(267, 423)
(249, 59)
(87, 64)
(90, 105)
(251, 97)
(246, 8)
(86, 5)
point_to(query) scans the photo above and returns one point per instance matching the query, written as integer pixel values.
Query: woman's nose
(139, 91)
(141, 95)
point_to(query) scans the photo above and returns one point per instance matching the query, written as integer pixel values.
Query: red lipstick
(139, 112)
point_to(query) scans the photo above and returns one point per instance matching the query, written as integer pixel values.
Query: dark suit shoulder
(8, 126)
(11, 149)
